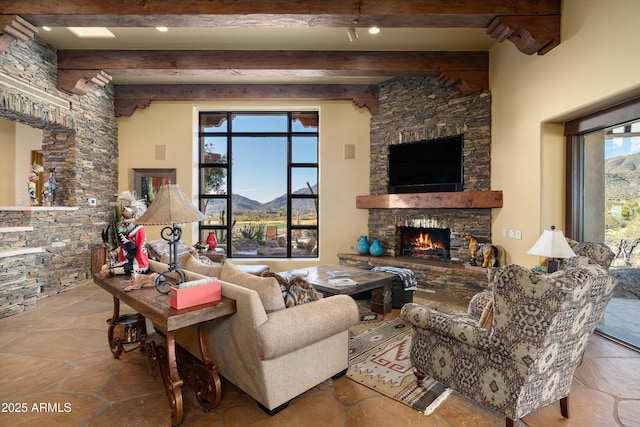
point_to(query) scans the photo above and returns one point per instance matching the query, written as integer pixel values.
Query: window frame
(290, 134)
(574, 131)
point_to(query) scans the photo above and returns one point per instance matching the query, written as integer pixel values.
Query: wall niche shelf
(443, 200)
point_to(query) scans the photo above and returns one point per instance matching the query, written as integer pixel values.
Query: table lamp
(553, 245)
(171, 207)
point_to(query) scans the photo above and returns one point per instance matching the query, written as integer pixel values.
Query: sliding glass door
(603, 204)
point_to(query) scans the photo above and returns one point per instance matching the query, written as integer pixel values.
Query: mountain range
(622, 177)
(243, 204)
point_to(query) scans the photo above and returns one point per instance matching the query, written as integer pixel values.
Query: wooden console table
(203, 378)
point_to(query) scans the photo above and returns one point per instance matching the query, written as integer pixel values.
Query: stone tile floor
(56, 368)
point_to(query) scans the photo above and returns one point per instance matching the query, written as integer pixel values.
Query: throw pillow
(486, 318)
(295, 291)
(267, 287)
(195, 264)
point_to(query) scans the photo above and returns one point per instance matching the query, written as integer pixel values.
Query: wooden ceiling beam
(128, 98)
(389, 64)
(275, 13)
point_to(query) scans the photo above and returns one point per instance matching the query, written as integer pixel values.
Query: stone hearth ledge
(444, 278)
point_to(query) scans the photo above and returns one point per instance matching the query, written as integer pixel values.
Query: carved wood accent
(533, 34)
(130, 97)
(13, 27)
(79, 82)
(467, 82)
(276, 13)
(453, 200)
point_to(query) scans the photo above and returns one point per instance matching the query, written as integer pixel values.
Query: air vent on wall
(27, 89)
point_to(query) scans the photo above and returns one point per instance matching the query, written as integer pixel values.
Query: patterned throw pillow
(295, 291)
(486, 318)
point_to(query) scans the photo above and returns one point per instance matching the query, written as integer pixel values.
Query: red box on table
(180, 298)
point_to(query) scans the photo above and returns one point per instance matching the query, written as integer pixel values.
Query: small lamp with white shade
(552, 245)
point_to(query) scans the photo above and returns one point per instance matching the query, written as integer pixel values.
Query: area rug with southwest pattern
(379, 359)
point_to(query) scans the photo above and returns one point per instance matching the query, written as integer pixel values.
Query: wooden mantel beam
(275, 13)
(128, 98)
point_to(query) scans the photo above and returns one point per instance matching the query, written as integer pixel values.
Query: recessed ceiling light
(374, 30)
(162, 29)
(46, 28)
(91, 32)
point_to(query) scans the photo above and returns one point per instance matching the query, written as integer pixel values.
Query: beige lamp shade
(171, 206)
(552, 244)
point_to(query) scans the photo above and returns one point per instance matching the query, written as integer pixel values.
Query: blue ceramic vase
(376, 248)
(363, 245)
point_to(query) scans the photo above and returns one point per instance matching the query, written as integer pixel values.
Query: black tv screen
(427, 166)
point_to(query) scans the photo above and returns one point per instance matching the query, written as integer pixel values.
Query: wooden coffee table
(378, 282)
(202, 377)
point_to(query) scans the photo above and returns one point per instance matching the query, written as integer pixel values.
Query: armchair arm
(461, 326)
(478, 303)
(296, 327)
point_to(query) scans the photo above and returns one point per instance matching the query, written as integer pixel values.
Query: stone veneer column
(414, 109)
(81, 143)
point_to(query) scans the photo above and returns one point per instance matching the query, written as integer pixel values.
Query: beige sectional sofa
(271, 352)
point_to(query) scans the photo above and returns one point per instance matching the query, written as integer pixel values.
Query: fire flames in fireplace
(425, 243)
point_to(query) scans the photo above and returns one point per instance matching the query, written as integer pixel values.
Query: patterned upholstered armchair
(595, 251)
(523, 358)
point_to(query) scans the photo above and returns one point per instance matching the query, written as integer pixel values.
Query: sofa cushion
(267, 287)
(195, 264)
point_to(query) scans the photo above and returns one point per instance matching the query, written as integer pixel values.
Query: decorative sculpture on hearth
(487, 252)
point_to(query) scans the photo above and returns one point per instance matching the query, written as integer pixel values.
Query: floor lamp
(171, 207)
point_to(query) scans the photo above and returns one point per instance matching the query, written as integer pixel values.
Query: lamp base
(553, 265)
(172, 236)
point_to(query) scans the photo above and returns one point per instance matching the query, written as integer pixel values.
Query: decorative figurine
(488, 251)
(132, 250)
(31, 185)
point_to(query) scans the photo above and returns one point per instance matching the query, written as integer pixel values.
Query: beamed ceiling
(278, 49)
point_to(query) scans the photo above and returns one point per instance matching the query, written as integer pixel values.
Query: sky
(622, 146)
(259, 164)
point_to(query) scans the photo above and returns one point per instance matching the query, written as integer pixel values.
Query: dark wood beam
(129, 98)
(350, 63)
(275, 13)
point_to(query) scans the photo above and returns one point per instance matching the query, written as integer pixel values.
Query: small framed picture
(147, 182)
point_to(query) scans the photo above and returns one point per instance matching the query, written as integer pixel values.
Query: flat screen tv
(427, 166)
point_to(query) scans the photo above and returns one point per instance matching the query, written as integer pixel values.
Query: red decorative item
(212, 241)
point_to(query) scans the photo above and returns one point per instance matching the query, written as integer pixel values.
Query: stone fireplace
(426, 243)
(414, 109)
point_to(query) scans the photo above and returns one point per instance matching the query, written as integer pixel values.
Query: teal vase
(363, 245)
(376, 248)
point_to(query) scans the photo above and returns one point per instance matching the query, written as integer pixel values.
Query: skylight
(91, 32)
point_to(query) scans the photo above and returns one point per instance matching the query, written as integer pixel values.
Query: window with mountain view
(259, 182)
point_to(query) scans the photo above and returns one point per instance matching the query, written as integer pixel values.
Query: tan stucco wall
(597, 64)
(7, 162)
(175, 124)
(16, 143)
